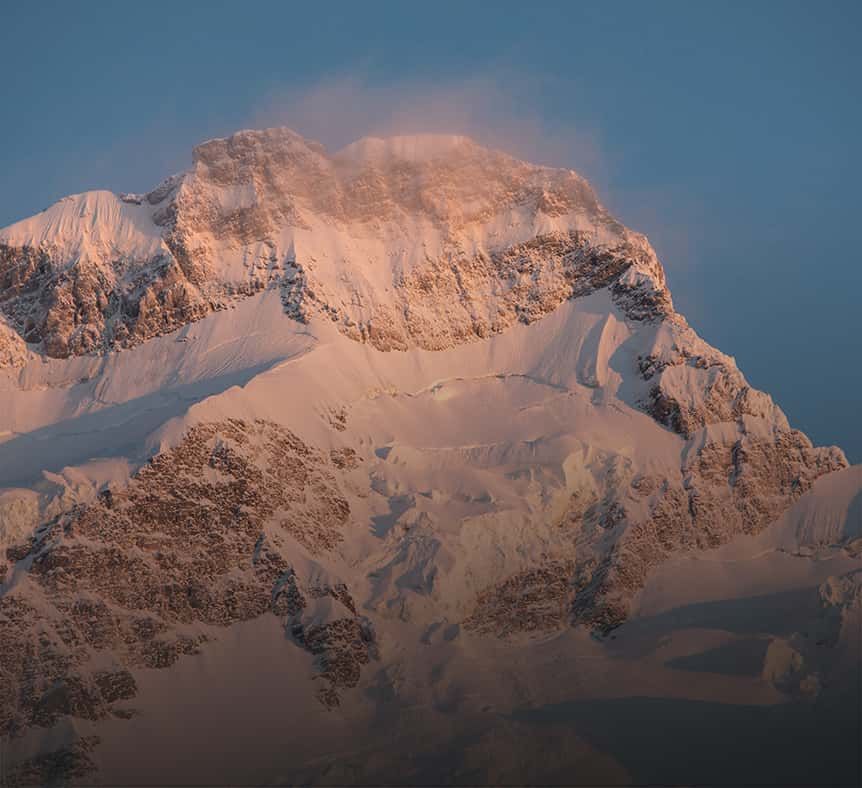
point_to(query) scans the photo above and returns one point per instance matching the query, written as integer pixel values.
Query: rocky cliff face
(207, 535)
(447, 301)
(727, 488)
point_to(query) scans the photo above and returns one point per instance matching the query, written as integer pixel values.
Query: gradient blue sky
(728, 132)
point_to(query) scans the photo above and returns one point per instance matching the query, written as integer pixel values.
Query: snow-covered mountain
(414, 425)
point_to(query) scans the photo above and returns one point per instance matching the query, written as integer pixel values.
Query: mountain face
(422, 242)
(422, 409)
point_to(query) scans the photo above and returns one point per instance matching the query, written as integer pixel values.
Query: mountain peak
(372, 149)
(358, 235)
(248, 140)
(403, 401)
(409, 147)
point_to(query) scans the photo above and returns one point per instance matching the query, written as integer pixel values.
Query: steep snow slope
(427, 414)
(90, 225)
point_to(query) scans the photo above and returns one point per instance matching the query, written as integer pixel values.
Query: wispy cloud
(500, 107)
(501, 110)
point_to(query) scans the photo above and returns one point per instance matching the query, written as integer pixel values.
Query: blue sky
(728, 132)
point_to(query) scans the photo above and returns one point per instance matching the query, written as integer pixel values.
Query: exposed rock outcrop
(456, 298)
(202, 537)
